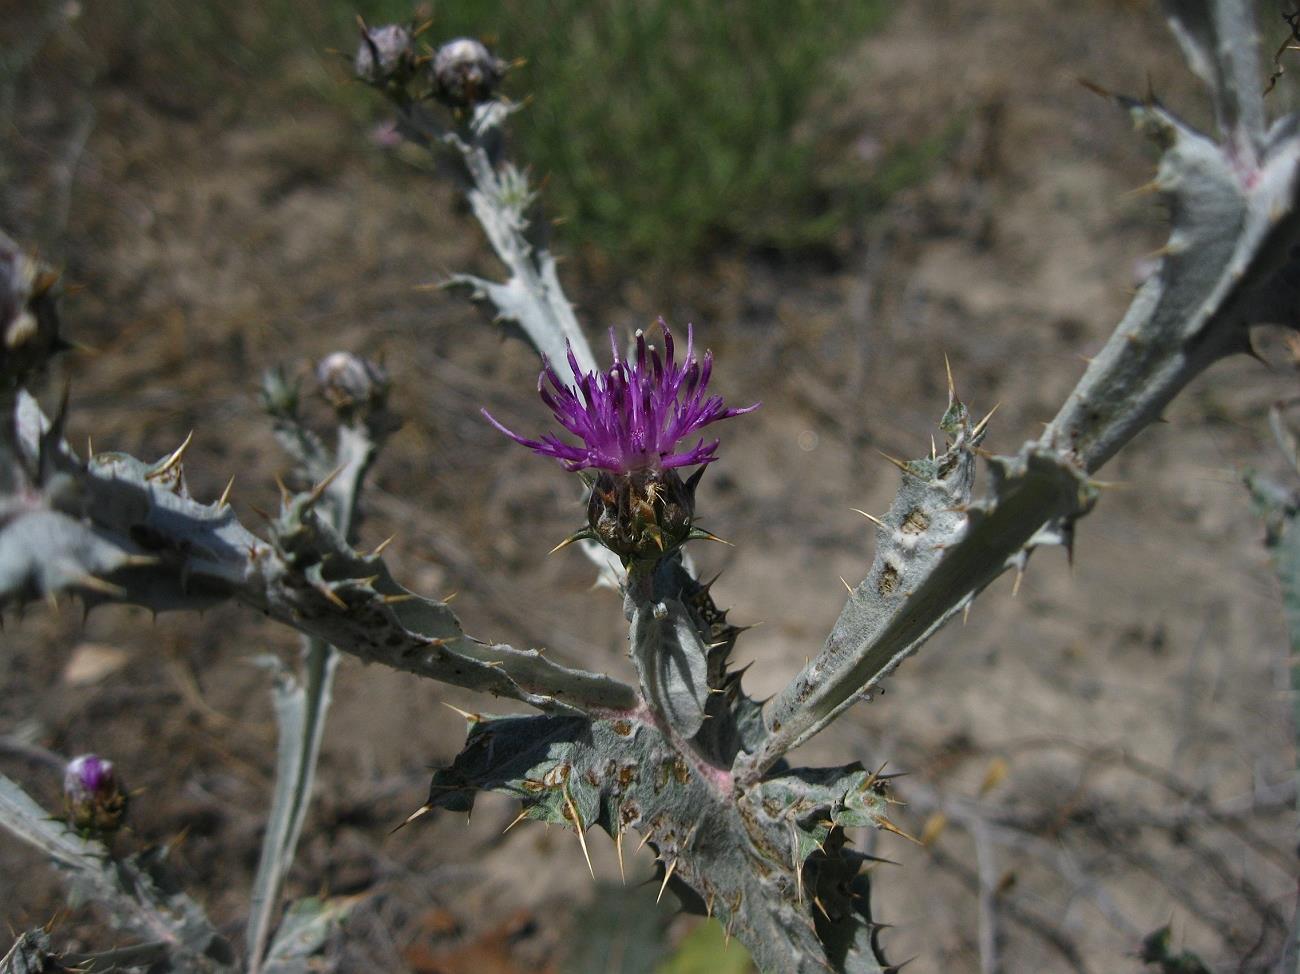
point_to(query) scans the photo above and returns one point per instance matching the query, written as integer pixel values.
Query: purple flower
(634, 416)
(91, 795)
(87, 776)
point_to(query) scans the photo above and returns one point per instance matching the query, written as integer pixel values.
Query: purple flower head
(87, 776)
(94, 802)
(633, 416)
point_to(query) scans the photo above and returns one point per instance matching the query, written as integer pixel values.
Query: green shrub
(662, 127)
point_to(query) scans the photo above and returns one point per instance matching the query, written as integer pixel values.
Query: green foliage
(665, 126)
(662, 127)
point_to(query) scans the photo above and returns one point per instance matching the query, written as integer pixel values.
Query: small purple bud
(465, 73)
(384, 54)
(349, 382)
(92, 799)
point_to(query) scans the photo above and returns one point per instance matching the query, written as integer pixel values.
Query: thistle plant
(685, 759)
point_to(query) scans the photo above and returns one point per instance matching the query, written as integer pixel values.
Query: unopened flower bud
(92, 799)
(279, 393)
(350, 382)
(29, 322)
(465, 73)
(384, 54)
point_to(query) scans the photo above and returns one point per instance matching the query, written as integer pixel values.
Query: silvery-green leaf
(671, 660)
(758, 858)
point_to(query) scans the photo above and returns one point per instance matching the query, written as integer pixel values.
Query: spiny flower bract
(633, 416)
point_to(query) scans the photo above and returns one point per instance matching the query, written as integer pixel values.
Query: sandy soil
(1110, 746)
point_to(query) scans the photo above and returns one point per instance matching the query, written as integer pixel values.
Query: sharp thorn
(90, 448)
(318, 491)
(394, 599)
(424, 809)
(471, 718)
(94, 584)
(286, 494)
(888, 826)
(578, 827)
(172, 460)
(847, 587)
(379, 548)
(1096, 89)
(668, 874)
(965, 613)
(518, 818)
(644, 839)
(900, 464)
(1015, 586)
(1146, 189)
(818, 903)
(618, 847)
(873, 777)
(708, 907)
(699, 534)
(872, 518)
(979, 427)
(332, 595)
(898, 967)
(952, 386)
(224, 499)
(880, 859)
(582, 535)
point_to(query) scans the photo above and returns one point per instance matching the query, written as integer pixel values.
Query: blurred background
(837, 194)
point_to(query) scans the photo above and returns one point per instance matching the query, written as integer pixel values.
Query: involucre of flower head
(384, 54)
(643, 515)
(465, 73)
(349, 382)
(634, 416)
(92, 798)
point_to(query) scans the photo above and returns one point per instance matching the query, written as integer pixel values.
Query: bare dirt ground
(1102, 753)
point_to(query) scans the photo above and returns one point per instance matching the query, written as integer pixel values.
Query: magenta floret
(634, 416)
